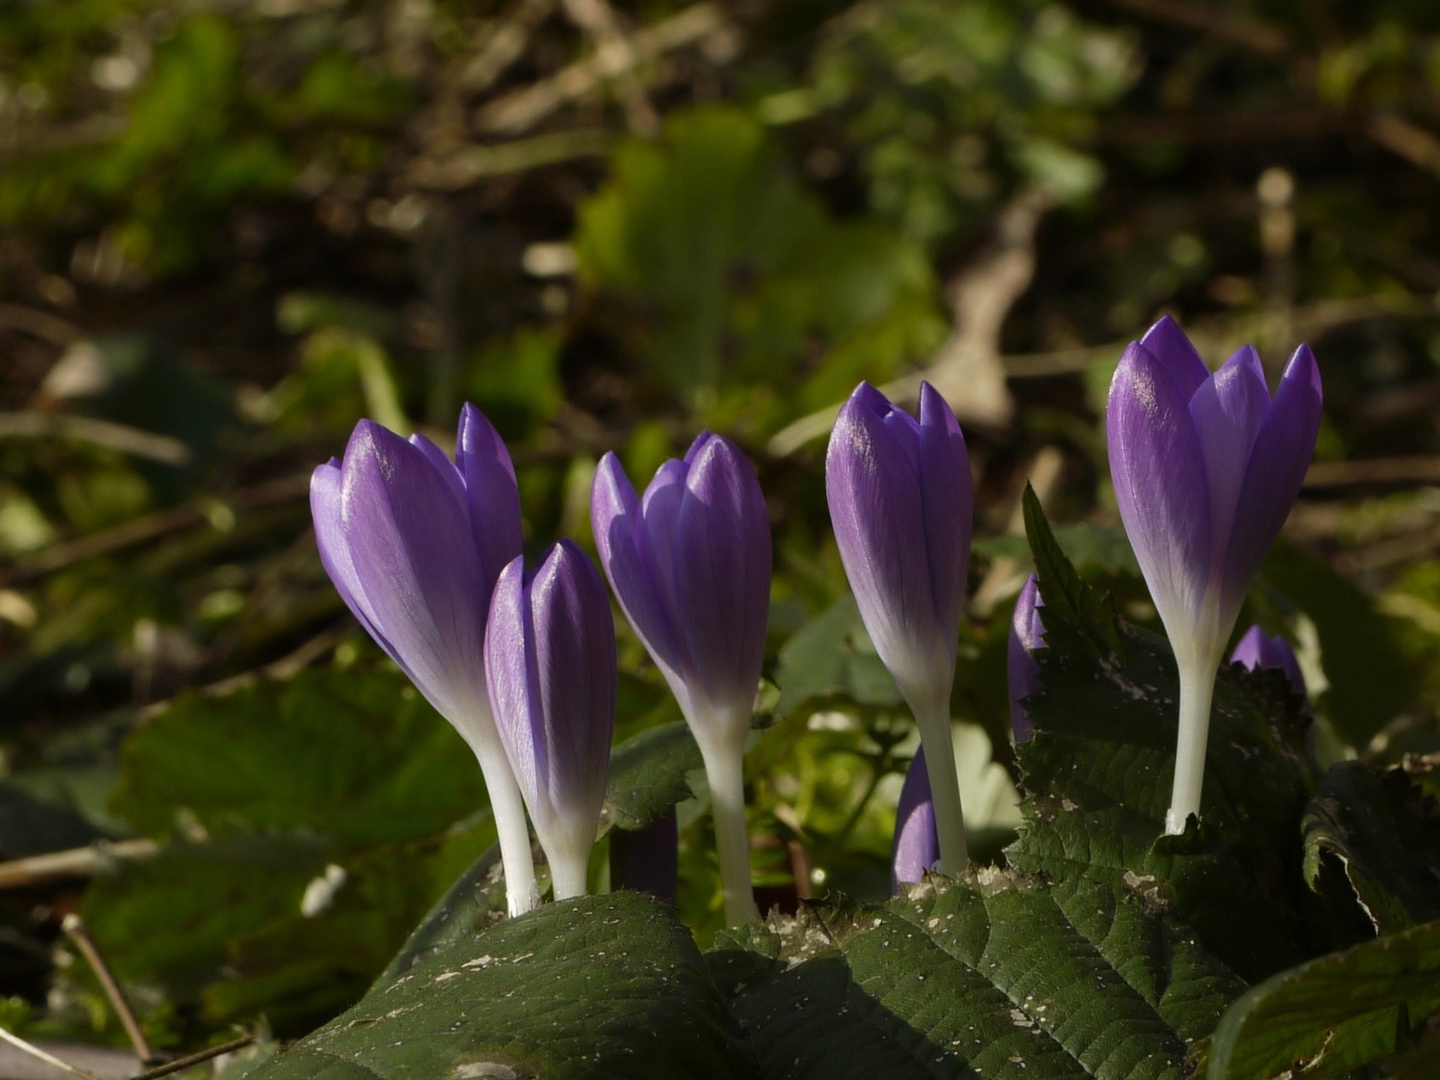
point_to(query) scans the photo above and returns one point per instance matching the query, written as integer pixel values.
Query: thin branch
(197, 1058)
(76, 862)
(1420, 469)
(522, 109)
(150, 527)
(1257, 37)
(503, 45)
(40, 324)
(49, 1059)
(1410, 141)
(76, 930)
(598, 19)
(122, 437)
(464, 166)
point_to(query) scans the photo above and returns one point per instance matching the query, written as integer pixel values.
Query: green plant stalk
(932, 716)
(1197, 690)
(725, 771)
(506, 803)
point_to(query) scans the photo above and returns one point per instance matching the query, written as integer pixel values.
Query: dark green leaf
(355, 755)
(608, 986)
(1000, 977)
(647, 775)
(1332, 1014)
(1385, 833)
(1061, 587)
(832, 654)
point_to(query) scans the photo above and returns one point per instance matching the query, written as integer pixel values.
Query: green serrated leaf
(1098, 774)
(1332, 1014)
(354, 755)
(1100, 768)
(1385, 833)
(999, 976)
(609, 986)
(1062, 588)
(647, 775)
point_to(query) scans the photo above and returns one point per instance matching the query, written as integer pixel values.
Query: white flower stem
(933, 719)
(1197, 687)
(725, 770)
(521, 892)
(567, 874)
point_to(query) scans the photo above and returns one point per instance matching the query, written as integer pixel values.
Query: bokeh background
(229, 229)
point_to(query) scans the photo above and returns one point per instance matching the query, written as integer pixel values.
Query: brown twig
(196, 1058)
(1410, 141)
(76, 930)
(503, 45)
(40, 324)
(145, 444)
(76, 862)
(150, 527)
(48, 1058)
(598, 19)
(462, 167)
(1257, 37)
(522, 109)
(1419, 469)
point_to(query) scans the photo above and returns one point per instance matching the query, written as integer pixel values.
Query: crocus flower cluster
(426, 552)
(690, 565)
(900, 502)
(1206, 467)
(416, 545)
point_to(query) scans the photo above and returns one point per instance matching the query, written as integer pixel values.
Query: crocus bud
(690, 565)
(414, 544)
(1258, 649)
(900, 503)
(1206, 467)
(1026, 634)
(551, 667)
(917, 847)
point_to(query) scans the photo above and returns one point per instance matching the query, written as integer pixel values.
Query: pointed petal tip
(1302, 366)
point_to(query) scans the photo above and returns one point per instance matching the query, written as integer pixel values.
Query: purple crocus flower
(917, 846)
(1026, 635)
(690, 565)
(1258, 649)
(414, 543)
(900, 503)
(1206, 467)
(551, 668)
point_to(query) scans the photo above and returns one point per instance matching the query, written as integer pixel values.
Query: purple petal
(722, 577)
(411, 568)
(1023, 670)
(1157, 467)
(551, 666)
(917, 845)
(1257, 650)
(575, 665)
(1276, 469)
(877, 513)
(1168, 344)
(512, 679)
(945, 487)
(490, 488)
(1228, 410)
(626, 555)
(443, 465)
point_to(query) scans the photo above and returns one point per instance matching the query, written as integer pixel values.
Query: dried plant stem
(76, 930)
(180, 1064)
(49, 1059)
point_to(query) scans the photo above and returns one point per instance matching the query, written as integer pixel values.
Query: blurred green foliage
(240, 228)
